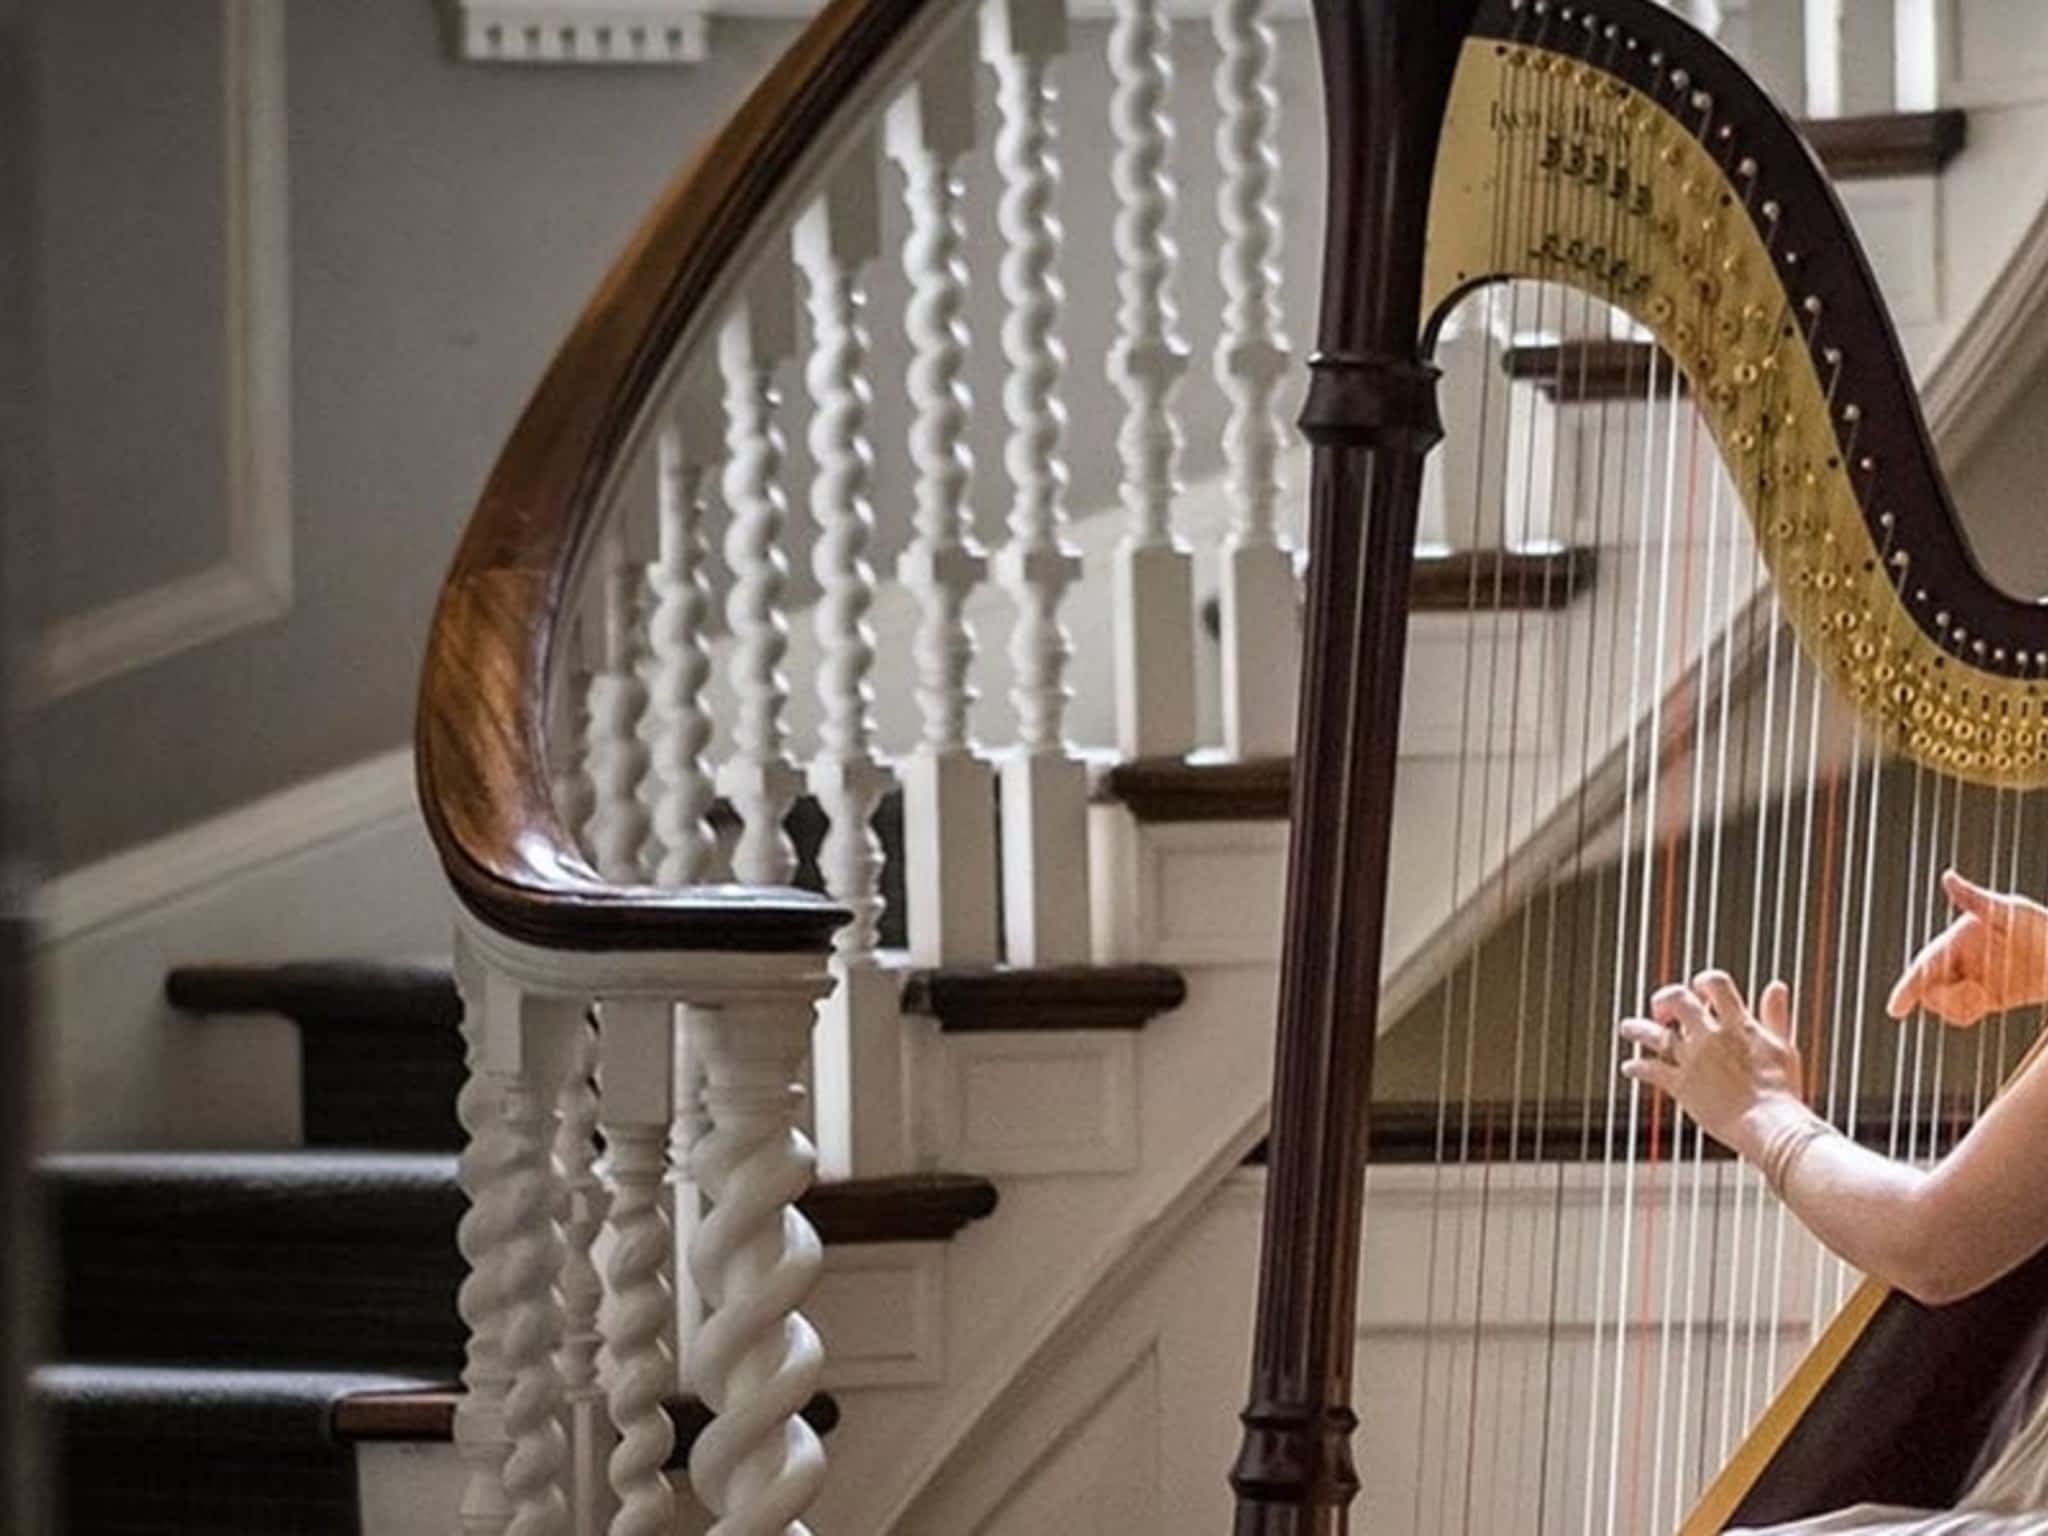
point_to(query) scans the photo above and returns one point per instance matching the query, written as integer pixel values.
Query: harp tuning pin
(1832, 356)
(1886, 519)
(1941, 618)
(1771, 210)
(1680, 79)
(1811, 303)
(1747, 169)
(1702, 101)
(1979, 648)
(1920, 595)
(1851, 412)
(1867, 464)
(1727, 132)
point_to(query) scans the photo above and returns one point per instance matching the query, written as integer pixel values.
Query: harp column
(1371, 418)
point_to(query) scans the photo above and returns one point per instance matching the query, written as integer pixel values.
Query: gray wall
(446, 222)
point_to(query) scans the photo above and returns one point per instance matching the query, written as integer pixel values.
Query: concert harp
(1775, 694)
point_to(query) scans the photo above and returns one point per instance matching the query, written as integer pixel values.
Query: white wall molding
(881, 1309)
(579, 31)
(1021, 1104)
(252, 582)
(137, 882)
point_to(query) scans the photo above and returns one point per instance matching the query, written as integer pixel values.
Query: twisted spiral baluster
(638, 1368)
(1261, 647)
(1155, 674)
(759, 779)
(836, 238)
(754, 1359)
(482, 1236)
(678, 724)
(1044, 789)
(527, 1046)
(580, 1211)
(615, 758)
(949, 824)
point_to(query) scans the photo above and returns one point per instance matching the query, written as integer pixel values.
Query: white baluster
(484, 1236)
(1459, 512)
(1261, 641)
(677, 723)
(639, 1370)
(861, 1118)
(686, 1205)
(754, 1359)
(758, 779)
(948, 790)
(515, 1255)
(1044, 788)
(1851, 57)
(568, 740)
(1919, 46)
(581, 1214)
(835, 240)
(1154, 573)
(615, 758)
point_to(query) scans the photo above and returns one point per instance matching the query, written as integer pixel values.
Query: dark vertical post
(21, 1505)
(1371, 418)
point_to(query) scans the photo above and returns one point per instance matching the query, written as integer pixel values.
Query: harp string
(1506, 135)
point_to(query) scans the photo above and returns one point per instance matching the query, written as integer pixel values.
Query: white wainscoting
(252, 581)
(1450, 1394)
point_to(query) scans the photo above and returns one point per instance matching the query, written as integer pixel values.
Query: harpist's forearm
(1936, 1235)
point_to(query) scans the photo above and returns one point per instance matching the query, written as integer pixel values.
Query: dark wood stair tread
(323, 992)
(1591, 371)
(284, 1194)
(970, 999)
(1200, 787)
(427, 1416)
(1886, 144)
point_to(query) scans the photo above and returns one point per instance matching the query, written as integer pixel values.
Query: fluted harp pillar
(1371, 419)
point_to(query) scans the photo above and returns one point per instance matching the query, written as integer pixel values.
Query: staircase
(552, 1234)
(247, 1336)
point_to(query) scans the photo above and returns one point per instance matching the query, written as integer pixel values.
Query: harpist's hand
(1992, 957)
(1724, 1065)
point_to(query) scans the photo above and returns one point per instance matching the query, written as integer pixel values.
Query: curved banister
(504, 605)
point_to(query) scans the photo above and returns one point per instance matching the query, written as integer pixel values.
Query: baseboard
(339, 866)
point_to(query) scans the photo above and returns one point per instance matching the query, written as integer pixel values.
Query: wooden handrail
(482, 765)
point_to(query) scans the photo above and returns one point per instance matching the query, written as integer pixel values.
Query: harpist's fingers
(1959, 1003)
(1972, 898)
(1722, 995)
(1774, 1010)
(1939, 964)
(1681, 1009)
(1652, 1037)
(1654, 1070)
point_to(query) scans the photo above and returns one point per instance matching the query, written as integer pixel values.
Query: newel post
(1371, 418)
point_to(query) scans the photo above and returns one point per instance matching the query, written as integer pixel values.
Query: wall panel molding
(252, 582)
